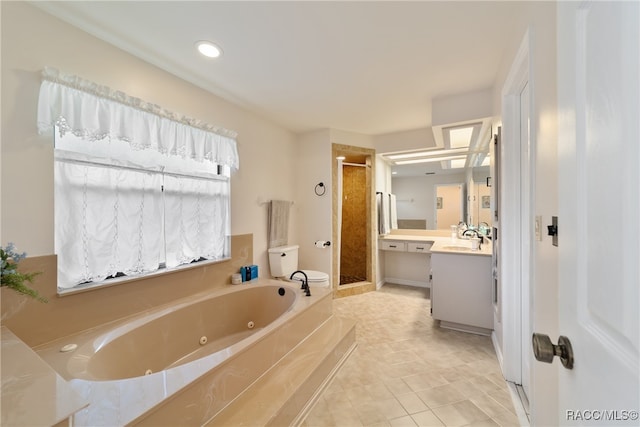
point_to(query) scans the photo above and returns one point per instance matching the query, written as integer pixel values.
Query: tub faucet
(305, 281)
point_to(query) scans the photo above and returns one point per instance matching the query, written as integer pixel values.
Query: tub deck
(284, 394)
(300, 352)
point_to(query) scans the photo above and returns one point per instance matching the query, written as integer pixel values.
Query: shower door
(353, 242)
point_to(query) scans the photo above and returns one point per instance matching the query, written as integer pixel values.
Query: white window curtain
(99, 115)
(190, 204)
(137, 187)
(108, 222)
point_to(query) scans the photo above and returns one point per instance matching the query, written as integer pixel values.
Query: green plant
(12, 278)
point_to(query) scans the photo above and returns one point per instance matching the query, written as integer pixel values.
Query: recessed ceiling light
(208, 49)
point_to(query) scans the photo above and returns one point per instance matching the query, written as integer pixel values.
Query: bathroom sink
(457, 248)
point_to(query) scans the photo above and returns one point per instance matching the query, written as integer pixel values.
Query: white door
(599, 210)
(525, 238)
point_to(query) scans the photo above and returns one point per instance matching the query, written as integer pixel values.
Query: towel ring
(320, 189)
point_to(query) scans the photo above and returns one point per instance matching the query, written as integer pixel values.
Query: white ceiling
(366, 67)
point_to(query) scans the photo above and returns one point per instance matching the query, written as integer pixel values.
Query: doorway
(449, 205)
(353, 219)
(516, 225)
(525, 239)
(353, 239)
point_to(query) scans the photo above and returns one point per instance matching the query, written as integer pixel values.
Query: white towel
(393, 212)
(278, 223)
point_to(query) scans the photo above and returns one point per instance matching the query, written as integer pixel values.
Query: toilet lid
(313, 276)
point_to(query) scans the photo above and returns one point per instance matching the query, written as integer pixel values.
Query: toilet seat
(315, 278)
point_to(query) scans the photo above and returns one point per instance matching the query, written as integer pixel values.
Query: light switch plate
(538, 228)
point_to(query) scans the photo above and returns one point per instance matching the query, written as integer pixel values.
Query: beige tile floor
(407, 371)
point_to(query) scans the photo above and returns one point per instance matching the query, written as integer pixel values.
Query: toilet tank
(283, 260)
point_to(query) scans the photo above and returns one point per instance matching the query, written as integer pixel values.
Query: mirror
(419, 201)
(436, 186)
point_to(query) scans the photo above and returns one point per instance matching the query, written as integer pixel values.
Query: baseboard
(498, 350)
(465, 328)
(398, 281)
(521, 408)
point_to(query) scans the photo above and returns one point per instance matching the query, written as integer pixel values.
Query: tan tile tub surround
(191, 391)
(36, 323)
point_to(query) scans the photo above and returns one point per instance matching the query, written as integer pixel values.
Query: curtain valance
(98, 113)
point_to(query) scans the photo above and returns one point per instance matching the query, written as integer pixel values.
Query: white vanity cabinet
(406, 260)
(393, 245)
(461, 295)
(419, 247)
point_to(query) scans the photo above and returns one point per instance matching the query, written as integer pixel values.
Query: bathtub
(183, 363)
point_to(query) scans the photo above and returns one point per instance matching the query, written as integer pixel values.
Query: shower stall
(354, 234)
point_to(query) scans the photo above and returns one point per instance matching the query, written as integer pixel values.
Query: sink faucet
(479, 235)
(305, 282)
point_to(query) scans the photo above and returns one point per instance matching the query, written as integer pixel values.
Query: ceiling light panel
(457, 164)
(432, 159)
(460, 137)
(425, 153)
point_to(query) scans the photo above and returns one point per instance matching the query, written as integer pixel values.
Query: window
(136, 192)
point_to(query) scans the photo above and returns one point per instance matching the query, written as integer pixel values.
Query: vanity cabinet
(406, 262)
(421, 247)
(461, 296)
(393, 245)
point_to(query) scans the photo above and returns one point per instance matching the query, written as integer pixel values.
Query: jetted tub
(185, 362)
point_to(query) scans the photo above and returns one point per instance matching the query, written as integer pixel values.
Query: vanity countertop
(442, 242)
(447, 245)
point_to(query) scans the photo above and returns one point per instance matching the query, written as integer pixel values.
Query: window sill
(128, 279)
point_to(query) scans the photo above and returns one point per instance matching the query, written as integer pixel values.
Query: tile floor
(406, 371)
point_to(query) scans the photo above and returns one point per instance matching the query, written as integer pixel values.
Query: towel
(382, 200)
(278, 218)
(393, 212)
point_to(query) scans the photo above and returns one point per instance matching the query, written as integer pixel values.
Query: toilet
(283, 260)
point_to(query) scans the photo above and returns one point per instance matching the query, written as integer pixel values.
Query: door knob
(544, 350)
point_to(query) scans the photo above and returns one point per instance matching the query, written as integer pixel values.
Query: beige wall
(311, 167)
(31, 40)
